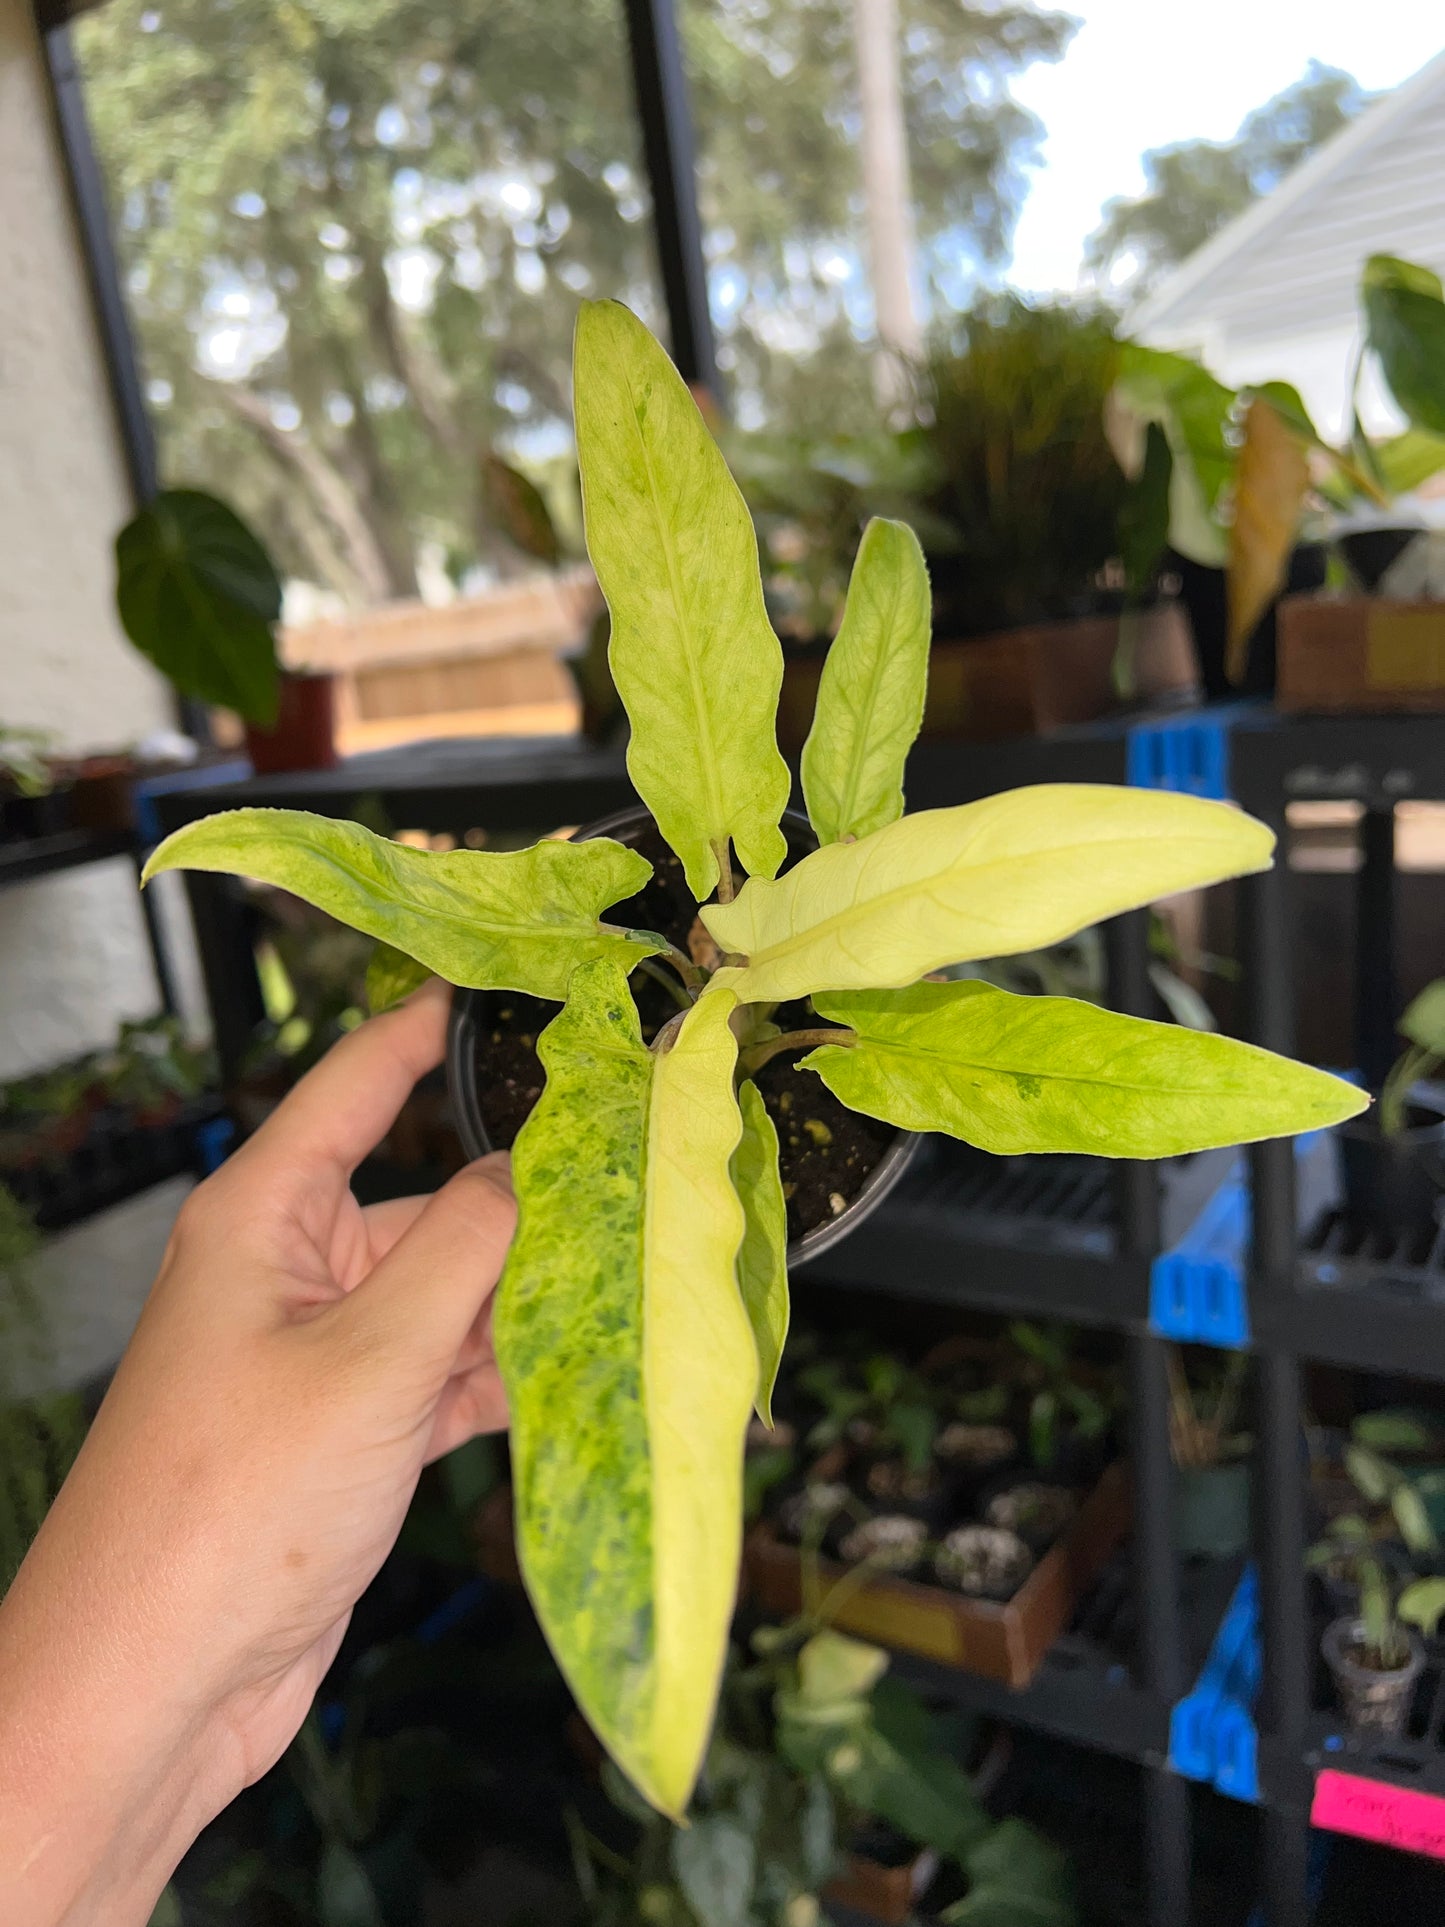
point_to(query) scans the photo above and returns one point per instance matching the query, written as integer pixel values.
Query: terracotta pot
(304, 733)
(102, 793)
(462, 1087)
(1022, 682)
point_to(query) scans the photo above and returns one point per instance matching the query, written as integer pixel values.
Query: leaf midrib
(862, 744)
(866, 1043)
(718, 823)
(789, 945)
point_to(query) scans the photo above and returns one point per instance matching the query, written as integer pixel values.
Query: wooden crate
(1360, 654)
(1005, 1641)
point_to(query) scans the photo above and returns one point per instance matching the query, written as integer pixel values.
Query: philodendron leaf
(1405, 325)
(871, 694)
(1013, 1074)
(390, 976)
(1424, 1019)
(485, 919)
(763, 1254)
(695, 660)
(1013, 872)
(630, 1371)
(1269, 492)
(198, 594)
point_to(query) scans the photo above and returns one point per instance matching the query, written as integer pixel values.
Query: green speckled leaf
(763, 1255)
(390, 976)
(630, 1371)
(485, 919)
(1013, 872)
(695, 660)
(870, 697)
(1013, 1074)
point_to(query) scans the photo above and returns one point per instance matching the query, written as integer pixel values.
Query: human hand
(299, 1360)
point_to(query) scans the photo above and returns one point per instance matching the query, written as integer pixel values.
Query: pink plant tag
(1372, 1810)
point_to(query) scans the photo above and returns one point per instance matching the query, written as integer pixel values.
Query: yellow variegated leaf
(486, 919)
(1015, 1074)
(871, 695)
(390, 976)
(763, 1254)
(630, 1371)
(1013, 872)
(694, 658)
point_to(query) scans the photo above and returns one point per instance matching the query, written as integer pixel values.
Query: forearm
(105, 1777)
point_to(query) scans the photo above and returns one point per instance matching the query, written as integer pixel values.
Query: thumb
(424, 1296)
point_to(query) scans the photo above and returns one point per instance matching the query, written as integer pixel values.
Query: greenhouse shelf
(27, 858)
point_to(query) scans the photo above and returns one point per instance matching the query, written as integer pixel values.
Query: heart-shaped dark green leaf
(1013, 1074)
(198, 595)
(1405, 326)
(486, 919)
(872, 690)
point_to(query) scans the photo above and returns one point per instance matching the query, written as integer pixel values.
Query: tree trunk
(888, 195)
(327, 488)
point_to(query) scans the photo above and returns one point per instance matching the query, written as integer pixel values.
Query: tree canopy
(354, 232)
(1194, 188)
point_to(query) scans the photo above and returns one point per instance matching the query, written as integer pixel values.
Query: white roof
(1290, 264)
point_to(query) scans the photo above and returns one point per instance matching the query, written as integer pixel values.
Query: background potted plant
(1210, 1454)
(1370, 1647)
(1028, 590)
(200, 598)
(1255, 494)
(648, 1176)
(1393, 1157)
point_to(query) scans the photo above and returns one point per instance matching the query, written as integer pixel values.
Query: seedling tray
(1004, 1641)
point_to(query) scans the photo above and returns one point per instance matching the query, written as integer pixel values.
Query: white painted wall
(73, 955)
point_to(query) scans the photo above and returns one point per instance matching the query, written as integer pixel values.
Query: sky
(1144, 73)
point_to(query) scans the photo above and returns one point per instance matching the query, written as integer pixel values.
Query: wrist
(105, 1783)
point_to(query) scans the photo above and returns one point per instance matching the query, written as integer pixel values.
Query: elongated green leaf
(517, 505)
(695, 661)
(1424, 1019)
(1194, 411)
(870, 697)
(198, 595)
(1013, 872)
(630, 1371)
(390, 976)
(1405, 326)
(763, 1254)
(486, 919)
(1405, 461)
(1013, 1074)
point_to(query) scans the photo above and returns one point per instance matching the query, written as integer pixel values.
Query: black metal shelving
(1077, 1238)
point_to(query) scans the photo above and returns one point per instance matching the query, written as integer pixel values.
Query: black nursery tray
(117, 1159)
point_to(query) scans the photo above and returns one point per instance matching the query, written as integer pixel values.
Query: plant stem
(726, 888)
(689, 972)
(678, 993)
(754, 1058)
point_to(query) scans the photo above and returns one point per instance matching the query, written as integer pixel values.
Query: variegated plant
(644, 1305)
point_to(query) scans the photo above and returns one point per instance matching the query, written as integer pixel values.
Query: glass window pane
(789, 165)
(354, 239)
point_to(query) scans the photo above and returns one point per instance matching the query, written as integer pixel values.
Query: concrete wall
(73, 956)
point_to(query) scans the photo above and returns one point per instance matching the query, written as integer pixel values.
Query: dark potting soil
(825, 1150)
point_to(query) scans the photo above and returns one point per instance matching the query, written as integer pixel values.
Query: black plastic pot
(1393, 1184)
(1373, 1699)
(1370, 552)
(463, 1088)
(1211, 1509)
(1203, 592)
